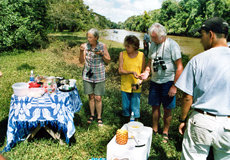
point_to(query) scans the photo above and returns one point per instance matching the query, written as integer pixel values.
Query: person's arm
(82, 53)
(0, 72)
(105, 55)
(143, 67)
(144, 42)
(2, 158)
(146, 73)
(186, 105)
(173, 90)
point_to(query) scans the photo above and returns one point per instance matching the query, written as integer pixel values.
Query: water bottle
(32, 76)
(132, 118)
(49, 88)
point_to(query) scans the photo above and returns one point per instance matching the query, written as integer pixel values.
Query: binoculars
(158, 61)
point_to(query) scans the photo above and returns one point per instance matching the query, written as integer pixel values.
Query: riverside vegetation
(61, 59)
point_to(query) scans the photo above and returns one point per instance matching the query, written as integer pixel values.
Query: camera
(136, 86)
(89, 73)
(159, 61)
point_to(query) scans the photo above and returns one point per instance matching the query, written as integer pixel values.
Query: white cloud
(120, 10)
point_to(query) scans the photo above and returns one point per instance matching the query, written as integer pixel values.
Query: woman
(131, 63)
(94, 54)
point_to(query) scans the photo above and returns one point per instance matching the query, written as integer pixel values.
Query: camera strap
(162, 50)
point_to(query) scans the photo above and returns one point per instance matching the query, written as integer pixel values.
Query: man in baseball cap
(215, 24)
(205, 83)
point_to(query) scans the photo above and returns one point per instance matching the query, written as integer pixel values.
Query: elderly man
(166, 66)
(206, 86)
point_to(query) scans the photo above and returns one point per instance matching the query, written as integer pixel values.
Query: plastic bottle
(32, 76)
(49, 88)
(132, 118)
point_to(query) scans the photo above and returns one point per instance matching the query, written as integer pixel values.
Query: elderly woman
(94, 54)
(131, 63)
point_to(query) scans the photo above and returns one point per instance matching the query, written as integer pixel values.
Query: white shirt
(207, 78)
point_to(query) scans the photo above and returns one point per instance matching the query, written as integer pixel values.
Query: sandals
(155, 133)
(165, 138)
(99, 122)
(90, 120)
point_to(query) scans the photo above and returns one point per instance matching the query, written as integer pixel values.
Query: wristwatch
(181, 120)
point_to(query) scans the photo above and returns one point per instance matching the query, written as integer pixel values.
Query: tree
(22, 24)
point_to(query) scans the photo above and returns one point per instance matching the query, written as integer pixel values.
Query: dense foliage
(74, 15)
(22, 24)
(180, 17)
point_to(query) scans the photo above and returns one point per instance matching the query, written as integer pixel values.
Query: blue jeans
(131, 102)
(158, 93)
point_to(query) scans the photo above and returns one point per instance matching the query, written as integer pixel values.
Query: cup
(72, 82)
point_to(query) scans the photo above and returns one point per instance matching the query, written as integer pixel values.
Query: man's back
(211, 86)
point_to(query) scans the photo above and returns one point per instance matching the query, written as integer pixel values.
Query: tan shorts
(96, 88)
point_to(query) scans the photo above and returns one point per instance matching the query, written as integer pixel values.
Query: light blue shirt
(146, 38)
(207, 78)
(170, 51)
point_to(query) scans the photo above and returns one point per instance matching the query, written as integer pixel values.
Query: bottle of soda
(132, 118)
(32, 76)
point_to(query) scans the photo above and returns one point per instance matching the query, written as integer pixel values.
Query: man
(146, 43)
(206, 86)
(166, 66)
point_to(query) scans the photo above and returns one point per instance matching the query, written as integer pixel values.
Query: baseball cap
(215, 24)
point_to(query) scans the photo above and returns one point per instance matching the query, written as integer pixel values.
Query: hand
(134, 87)
(99, 52)
(143, 76)
(172, 91)
(182, 128)
(0, 73)
(135, 75)
(82, 47)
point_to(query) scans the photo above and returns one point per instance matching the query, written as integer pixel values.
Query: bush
(22, 24)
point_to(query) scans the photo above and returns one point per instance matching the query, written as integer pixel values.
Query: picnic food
(121, 136)
(135, 126)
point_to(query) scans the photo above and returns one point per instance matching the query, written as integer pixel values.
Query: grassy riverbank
(61, 59)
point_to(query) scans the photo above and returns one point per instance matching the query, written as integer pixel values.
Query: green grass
(89, 141)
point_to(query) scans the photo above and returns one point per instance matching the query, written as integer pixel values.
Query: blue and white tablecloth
(56, 110)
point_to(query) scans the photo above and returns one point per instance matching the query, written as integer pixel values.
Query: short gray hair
(93, 31)
(158, 29)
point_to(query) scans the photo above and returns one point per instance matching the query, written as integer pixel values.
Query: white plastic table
(129, 150)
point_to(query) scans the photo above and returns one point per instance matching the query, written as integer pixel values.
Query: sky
(120, 10)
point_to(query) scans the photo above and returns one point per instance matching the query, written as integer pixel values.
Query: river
(188, 45)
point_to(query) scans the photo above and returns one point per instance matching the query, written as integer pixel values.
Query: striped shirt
(95, 63)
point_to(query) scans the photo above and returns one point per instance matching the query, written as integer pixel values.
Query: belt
(203, 112)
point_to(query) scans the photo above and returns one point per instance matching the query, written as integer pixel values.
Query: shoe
(99, 122)
(165, 138)
(90, 120)
(155, 133)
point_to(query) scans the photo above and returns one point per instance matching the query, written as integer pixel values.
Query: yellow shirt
(131, 64)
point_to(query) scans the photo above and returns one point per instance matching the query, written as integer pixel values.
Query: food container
(20, 89)
(36, 92)
(121, 136)
(34, 85)
(72, 82)
(135, 127)
(64, 82)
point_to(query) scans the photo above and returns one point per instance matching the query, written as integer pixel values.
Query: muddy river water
(191, 46)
